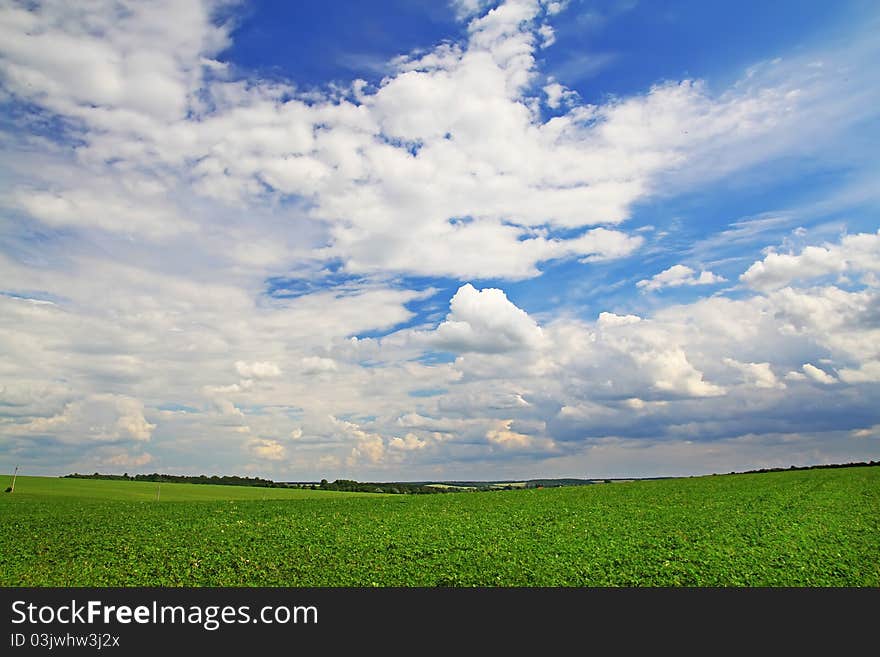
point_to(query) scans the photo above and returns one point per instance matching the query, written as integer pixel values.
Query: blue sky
(411, 240)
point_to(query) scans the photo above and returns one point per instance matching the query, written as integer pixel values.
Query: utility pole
(14, 475)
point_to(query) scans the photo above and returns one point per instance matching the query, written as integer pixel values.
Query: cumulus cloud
(227, 408)
(860, 252)
(818, 375)
(672, 372)
(369, 448)
(258, 370)
(208, 219)
(124, 211)
(271, 450)
(759, 375)
(232, 387)
(450, 135)
(610, 320)
(558, 94)
(655, 354)
(409, 442)
(869, 432)
(129, 59)
(502, 435)
(485, 321)
(98, 417)
(123, 459)
(317, 365)
(678, 275)
(868, 372)
(465, 9)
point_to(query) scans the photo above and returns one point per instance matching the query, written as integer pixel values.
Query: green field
(799, 528)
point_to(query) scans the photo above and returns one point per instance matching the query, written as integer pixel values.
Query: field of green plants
(798, 528)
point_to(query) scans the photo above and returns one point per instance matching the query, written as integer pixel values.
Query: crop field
(798, 528)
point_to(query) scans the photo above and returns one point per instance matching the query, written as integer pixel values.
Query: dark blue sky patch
(612, 48)
(18, 118)
(313, 42)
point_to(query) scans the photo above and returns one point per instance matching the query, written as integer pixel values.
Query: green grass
(802, 528)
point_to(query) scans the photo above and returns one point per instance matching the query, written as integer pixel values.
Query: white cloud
(317, 365)
(179, 121)
(548, 36)
(842, 321)
(97, 417)
(465, 9)
(860, 253)
(369, 448)
(651, 352)
(502, 435)
(123, 459)
(258, 370)
(558, 94)
(408, 443)
(124, 211)
(678, 275)
(270, 450)
(817, 375)
(206, 220)
(610, 320)
(672, 372)
(759, 375)
(869, 432)
(485, 321)
(227, 408)
(868, 372)
(232, 387)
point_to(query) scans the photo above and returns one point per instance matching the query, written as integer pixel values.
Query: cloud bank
(206, 270)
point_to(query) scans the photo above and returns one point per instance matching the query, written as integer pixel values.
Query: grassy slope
(805, 528)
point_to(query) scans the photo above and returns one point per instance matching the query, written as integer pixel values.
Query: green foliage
(394, 487)
(792, 528)
(340, 484)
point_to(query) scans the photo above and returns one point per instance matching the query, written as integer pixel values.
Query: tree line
(389, 487)
(228, 480)
(233, 480)
(857, 464)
